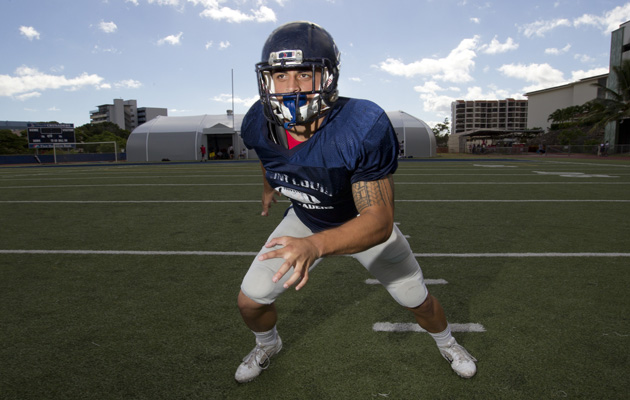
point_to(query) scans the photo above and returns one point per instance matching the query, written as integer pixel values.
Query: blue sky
(63, 58)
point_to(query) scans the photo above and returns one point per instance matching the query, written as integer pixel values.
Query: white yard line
(253, 253)
(412, 327)
(426, 281)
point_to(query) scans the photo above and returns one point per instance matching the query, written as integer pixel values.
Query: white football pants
(391, 262)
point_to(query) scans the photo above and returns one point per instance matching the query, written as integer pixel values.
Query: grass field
(120, 282)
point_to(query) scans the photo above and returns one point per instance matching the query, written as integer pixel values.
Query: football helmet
(304, 46)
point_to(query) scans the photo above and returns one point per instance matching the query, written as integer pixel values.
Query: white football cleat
(461, 360)
(256, 361)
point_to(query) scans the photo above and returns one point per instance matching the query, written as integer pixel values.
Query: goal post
(85, 151)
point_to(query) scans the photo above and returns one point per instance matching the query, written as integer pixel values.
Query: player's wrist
(318, 243)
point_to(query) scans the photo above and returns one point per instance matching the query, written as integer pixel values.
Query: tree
(616, 106)
(568, 126)
(442, 131)
(102, 132)
(11, 143)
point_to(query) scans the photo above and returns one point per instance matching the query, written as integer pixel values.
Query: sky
(63, 58)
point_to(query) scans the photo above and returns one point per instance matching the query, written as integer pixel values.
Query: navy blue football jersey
(355, 143)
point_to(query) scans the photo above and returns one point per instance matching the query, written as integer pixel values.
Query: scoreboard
(47, 136)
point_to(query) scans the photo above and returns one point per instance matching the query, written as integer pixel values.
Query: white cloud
(224, 45)
(208, 44)
(96, 49)
(496, 47)
(554, 51)
(455, 67)
(176, 111)
(475, 20)
(544, 76)
(134, 2)
(227, 98)
(29, 32)
(437, 104)
(174, 3)
(27, 96)
(540, 74)
(583, 58)
(540, 28)
(577, 75)
(609, 21)
(355, 79)
(128, 84)
(107, 27)
(28, 80)
(213, 10)
(173, 40)
(429, 87)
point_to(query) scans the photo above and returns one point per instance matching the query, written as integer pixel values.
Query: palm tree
(616, 105)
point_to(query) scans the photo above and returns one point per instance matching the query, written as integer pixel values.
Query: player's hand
(299, 253)
(268, 198)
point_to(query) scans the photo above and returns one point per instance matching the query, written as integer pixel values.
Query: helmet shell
(303, 45)
(312, 40)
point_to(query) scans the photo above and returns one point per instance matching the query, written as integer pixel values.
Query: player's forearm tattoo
(373, 193)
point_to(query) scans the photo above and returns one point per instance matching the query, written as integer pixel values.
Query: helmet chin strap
(289, 103)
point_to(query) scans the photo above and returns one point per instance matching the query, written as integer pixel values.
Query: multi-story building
(500, 115)
(544, 102)
(125, 114)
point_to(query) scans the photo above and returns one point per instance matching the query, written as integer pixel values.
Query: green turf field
(120, 282)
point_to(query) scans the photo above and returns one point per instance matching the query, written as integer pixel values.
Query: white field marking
(494, 166)
(517, 255)
(133, 201)
(258, 184)
(96, 176)
(134, 252)
(426, 281)
(129, 184)
(286, 201)
(514, 201)
(588, 164)
(253, 253)
(412, 327)
(512, 183)
(574, 174)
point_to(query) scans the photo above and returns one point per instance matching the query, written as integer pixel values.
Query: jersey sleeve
(379, 152)
(250, 128)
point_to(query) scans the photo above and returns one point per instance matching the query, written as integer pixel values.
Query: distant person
(203, 153)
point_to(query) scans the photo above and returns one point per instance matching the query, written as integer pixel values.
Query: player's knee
(258, 288)
(409, 292)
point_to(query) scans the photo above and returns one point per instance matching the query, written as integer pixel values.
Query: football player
(334, 158)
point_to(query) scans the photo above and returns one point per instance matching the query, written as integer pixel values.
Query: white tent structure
(414, 135)
(180, 138)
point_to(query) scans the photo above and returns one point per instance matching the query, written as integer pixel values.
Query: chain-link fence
(557, 150)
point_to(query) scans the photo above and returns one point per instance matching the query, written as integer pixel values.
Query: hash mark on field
(413, 327)
(426, 281)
